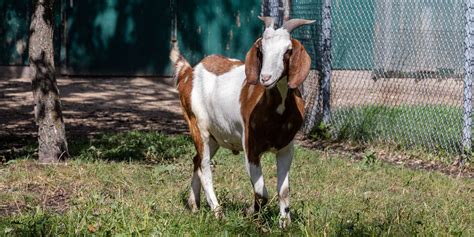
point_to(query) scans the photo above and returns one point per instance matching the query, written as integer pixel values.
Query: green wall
(132, 37)
(118, 37)
(353, 34)
(352, 31)
(217, 27)
(14, 24)
(308, 35)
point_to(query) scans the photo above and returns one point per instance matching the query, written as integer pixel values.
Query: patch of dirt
(51, 200)
(93, 106)
(12, 208)
(396, 157)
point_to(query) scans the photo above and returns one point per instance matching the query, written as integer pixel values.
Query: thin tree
(47, 104)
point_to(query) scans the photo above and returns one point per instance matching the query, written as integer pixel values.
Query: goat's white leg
(256, 177)
(284, 159)
(205, 175)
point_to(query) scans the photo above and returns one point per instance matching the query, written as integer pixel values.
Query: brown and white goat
(253, 107)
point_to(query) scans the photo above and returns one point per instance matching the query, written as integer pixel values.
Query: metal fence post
(325, 75)
(326, 61)
(468, 73)
(273, 8)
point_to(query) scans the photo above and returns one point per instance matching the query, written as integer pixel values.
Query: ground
(135, 178)
(93, 106)
(97, 105)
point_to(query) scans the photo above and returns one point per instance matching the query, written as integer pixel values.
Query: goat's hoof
(218, 212)
(193, 205)
(249, 211)
(285, 221)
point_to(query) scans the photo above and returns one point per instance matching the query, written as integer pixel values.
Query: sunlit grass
(133, 194)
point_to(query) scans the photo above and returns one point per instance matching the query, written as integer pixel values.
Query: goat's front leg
(284, 159)
(252, 164)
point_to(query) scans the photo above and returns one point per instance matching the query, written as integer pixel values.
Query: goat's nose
(265, 78)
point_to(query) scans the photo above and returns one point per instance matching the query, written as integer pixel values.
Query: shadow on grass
(151, 147)
(148, 147)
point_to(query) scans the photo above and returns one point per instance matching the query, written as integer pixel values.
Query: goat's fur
(227, 104)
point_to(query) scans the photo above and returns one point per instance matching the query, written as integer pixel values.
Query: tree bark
(47, 104)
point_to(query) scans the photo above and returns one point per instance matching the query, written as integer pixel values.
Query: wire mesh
(397, 70)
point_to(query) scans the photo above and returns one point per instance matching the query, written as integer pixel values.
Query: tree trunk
(47, 108)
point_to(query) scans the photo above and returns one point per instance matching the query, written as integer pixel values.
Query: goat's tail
(179, 62)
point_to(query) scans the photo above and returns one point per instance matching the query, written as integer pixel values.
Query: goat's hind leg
(202, 177)
(210, 147)
(194, 200)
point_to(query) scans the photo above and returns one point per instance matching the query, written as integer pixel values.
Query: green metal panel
(14, 24)
(217, 27)
(309, 35)
(15, 19)
(353, 34)
(118, 37)
(352, 31)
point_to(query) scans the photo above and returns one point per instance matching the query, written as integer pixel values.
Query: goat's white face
(276, 54)
(275, 44)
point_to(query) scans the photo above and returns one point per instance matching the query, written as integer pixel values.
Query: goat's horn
(268, 20)
(292, 24)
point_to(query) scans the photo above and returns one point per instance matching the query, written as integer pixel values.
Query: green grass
(121, 192)
(434, 128)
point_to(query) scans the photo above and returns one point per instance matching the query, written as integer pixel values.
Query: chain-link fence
(397, 70)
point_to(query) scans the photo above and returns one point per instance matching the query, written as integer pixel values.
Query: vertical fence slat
(326, 61)
(468, 69)
(274, 8)
(325, 75)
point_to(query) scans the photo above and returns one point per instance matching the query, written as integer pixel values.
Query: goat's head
(276, 55)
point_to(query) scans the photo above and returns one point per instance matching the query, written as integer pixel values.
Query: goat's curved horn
(292, 24)
(268, 20)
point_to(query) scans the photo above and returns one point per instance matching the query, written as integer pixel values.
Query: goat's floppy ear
(299, 65)
(253, 63)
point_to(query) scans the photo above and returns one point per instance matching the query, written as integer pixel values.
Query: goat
(254, 107)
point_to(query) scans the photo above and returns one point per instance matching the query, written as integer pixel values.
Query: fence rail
(401, 70)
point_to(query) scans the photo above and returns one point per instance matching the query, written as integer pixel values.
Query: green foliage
(133, 146)
(435, 128)
(369, 159)
(330, 195)
(322, 131)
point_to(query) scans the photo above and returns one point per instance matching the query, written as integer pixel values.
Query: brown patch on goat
(219, 64)
(253, 62)
(185, 85)
(264, 127)
(299, 64)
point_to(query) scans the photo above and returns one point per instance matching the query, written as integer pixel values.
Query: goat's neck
(282, 88)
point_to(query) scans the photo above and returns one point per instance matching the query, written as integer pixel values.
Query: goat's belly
(229, 141)
(227, 134)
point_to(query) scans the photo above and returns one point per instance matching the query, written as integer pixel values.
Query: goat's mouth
(270, 85)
